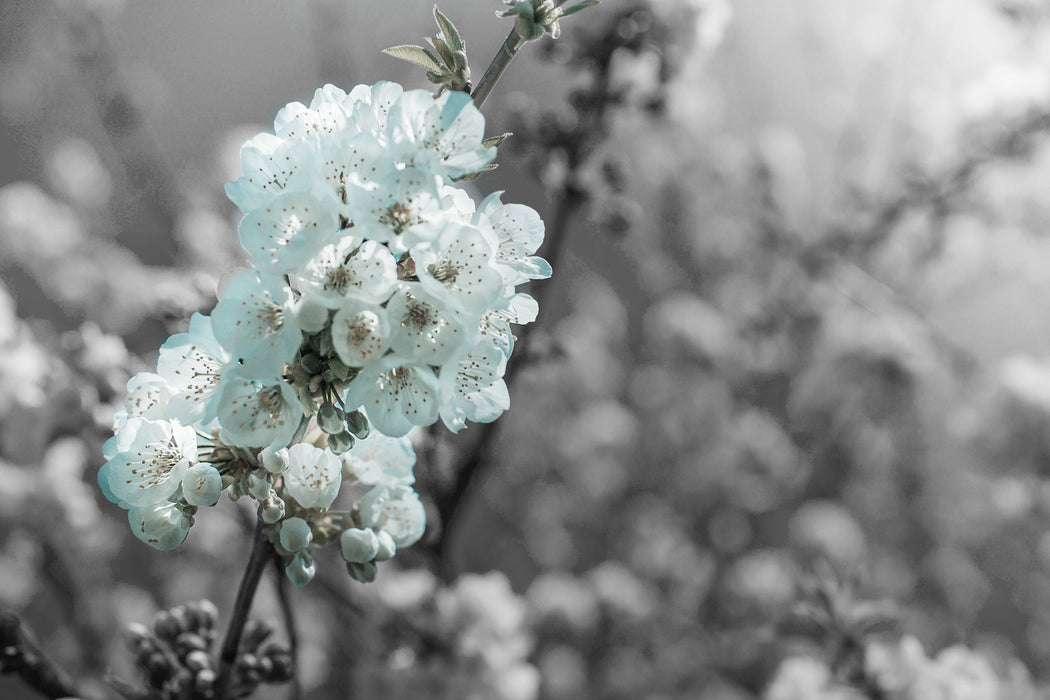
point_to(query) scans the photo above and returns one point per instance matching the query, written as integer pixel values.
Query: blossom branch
(288, 613)
(262, 551)
(20, 654)
(503, 57)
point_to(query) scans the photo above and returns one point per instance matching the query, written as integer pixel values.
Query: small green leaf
(495, 141)
(442, 49)
(579, 6)
(417, 55)
(449, 31)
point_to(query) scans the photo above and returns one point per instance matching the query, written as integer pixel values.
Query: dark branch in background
(935, 192)
(146, 170)
(288, 615)
(576, 145)
(20, 654)
(849, 243)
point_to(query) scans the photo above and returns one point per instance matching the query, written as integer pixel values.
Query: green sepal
(495, 141)
(579, 6)
(475, 176)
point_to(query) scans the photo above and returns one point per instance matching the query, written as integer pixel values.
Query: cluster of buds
(534, 18)
(174, 654)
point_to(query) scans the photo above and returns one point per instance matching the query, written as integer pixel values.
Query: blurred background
(781, 431)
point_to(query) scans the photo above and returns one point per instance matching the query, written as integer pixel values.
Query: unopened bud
(300, 569)
(259, 485)
(247, 662)
(295, 534)
(340, 442)
(274, 461)
(207, 613)
(188, 642)
(357, 424)
(158, 668)
(271, 510)
(358, 545)
(387, 548)
(283, 668)
(182, 618)
(312, 363)
(204, 682)
(330, 419)
(255, 633)
(197, 660)
(364, 572)
(165, 626)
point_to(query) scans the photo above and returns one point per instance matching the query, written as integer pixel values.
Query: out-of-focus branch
(20, 654)
(936, 190)
(469, 470)
(145, 169)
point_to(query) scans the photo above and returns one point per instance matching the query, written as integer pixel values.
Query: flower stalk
(262, 552)
(503, 57)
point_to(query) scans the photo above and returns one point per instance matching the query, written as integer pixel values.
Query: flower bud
(204, 682)
(312, 363)
(159, 668)
(295, 534)
(340, 442)
(283, 668)
(259, 485)
(300, 569)
(364, 572)
(357, 545)
(274, 461)
(165, 626)
(357, 424)
(386, 548)
(255, 633)
(182, 618)
(197, 660)
(188, 642)
(312, 316)
(271, 510)
(207, 614)
(330, 419)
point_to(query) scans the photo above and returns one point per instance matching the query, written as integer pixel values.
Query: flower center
(399, 216)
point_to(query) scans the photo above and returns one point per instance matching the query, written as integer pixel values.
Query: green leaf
(417, 55)
(442, 48)
(579, 6)
(494, 141)
(449, 31)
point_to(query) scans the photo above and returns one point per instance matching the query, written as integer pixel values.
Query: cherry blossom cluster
(380, 298)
